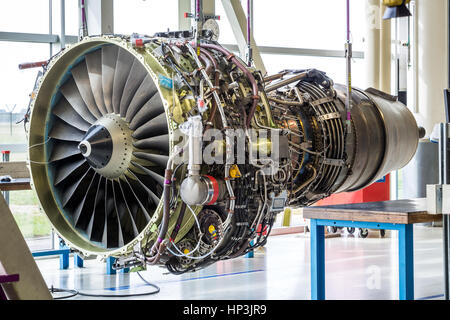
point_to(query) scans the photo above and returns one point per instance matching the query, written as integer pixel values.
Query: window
(145, 17)
(15, 87)
(226, 33)
(72, 23)
(24, 16)
(307, 24)
(335, 68)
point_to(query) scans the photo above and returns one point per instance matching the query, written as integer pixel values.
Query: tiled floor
(355, 269)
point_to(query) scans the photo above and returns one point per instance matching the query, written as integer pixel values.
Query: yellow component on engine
(394, 3)
(234, 172)
(186, 251)
(211, 229)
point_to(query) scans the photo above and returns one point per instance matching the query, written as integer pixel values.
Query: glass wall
(145, 17)
(24, 16)
(21, 18)
(304, 24)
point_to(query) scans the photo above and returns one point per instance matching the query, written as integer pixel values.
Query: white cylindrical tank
(432, 61)
(372, 46)
(377, 53)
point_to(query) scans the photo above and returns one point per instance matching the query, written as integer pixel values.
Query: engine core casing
(114, 178)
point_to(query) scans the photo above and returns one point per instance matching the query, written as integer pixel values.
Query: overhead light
(396, 9)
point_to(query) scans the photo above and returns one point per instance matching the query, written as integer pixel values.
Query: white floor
(355, 269)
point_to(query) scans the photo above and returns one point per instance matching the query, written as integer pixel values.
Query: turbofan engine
(157, 150)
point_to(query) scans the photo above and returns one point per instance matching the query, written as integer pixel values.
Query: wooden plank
(287, 230)
(16, 185)
(16, 258)
(15, 169)
(395, 211)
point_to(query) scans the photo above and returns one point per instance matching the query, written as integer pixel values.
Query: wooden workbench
(399, 215)
(16, 184)
(19, 174)
(395, 211)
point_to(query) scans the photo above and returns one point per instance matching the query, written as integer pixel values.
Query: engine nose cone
(108, 146)
(85, 148)
(97, 146)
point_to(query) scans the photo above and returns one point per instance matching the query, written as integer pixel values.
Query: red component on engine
(29, 65)
(215, 185)
(258, 230)
(378, 191)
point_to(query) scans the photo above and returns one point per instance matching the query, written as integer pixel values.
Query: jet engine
(162, 150)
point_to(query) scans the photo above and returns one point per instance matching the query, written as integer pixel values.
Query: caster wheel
(382, 233)
(363, 233)
(332, 229)
(351, 230)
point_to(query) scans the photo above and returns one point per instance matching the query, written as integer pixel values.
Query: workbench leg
(64, 260)
(77, 261)
(250, 254)
(406, 262)
(63, 257)
(109, 265)
(317, 261)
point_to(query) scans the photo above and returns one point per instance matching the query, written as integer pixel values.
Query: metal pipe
(29, 65)
(84, 30)
(446, 218)
(198, 25)
(348, 56)
(274, 77)
(62, 37)
(285, 82)
(195, 145)
(249, 32)
(286, 102)
(50, 22)
(348, 20)
(443, 179)
(247, 73)
(212, 114)
(448, 46)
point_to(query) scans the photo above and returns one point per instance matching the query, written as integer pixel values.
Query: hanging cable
(73, 292)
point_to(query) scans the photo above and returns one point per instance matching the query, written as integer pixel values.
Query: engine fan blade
(123, 67)
(157, 177)
(109, 59)
(135, 79)
(81, 77)
(94, 68)
(66, 113)
(62, 150)
(68, 168)
(151, 109)
(154, 127)
(160, 143)
(112, 234)
(145, 92)
(69, 193)
(132, 206)
(160, 160)
(152, 195)
(83, 213)
(63, 131)
(96, 224)
(126, 221)
(134, 191)
(73, 96)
